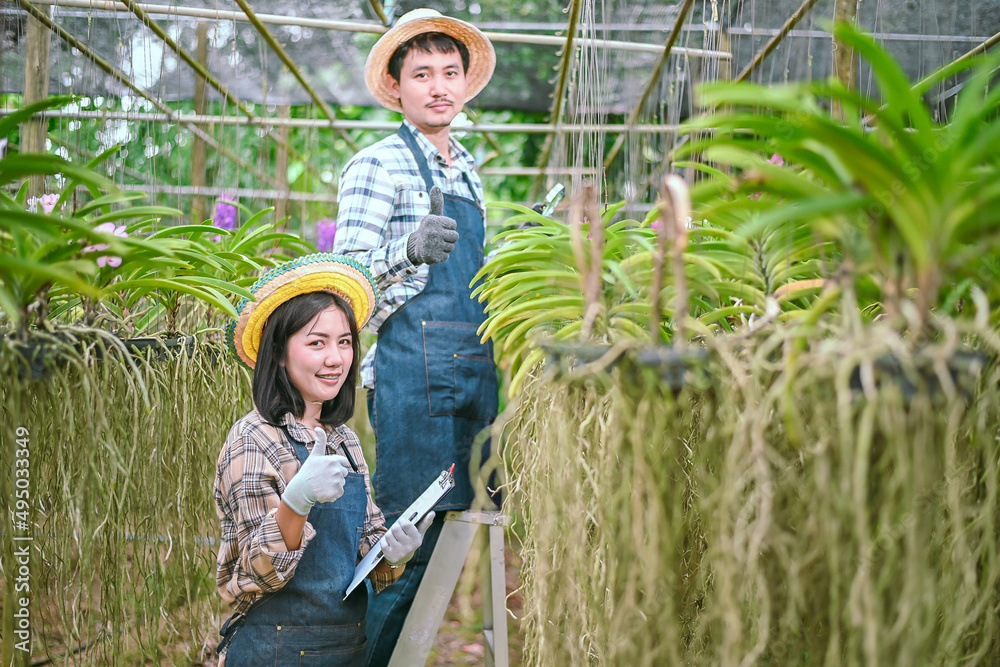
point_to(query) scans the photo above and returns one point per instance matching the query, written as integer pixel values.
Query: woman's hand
(400, 541)
(320, 479)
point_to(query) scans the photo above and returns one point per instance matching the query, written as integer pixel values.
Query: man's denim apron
(307, 622)
(435, 390)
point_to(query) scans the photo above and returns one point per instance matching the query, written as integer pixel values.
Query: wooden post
(198, 150)
(36, 88)
(281, 165)
(845, 11)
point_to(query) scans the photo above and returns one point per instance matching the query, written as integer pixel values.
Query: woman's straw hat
(320, 272)
(482, 57)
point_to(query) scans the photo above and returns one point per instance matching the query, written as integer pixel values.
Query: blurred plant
(559, 281)
(912, 202)
(225, 215)
(107, 260)
(46, 202)
(220, 262)
(47, 261)
(326, 232)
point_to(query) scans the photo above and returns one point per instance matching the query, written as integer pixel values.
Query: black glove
(436, 235)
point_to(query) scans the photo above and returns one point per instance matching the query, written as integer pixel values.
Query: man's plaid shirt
(382, 199)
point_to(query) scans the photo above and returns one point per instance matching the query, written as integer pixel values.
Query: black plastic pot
(160, 349)
(675, 367)
(916, 376)
(39, 355)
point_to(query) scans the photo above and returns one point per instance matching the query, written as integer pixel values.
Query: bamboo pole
(380, 12)
(654, 80)
(559, 94)
(294, 69)
(772, 44)
(281, 167)
(845, 11)
(250, 193)
(354, 26)
(119, 76)
(271, 121)
(975, 51)
(198, 149)
(972, 53)
(36, 89)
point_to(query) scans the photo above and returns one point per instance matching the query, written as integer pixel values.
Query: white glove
(400, 541)
(319, 480)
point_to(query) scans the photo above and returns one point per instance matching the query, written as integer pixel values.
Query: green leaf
(22, 165)
(10, 122)
(138, 212)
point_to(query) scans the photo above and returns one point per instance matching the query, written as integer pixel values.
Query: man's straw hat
(320, 272)
(482, 57)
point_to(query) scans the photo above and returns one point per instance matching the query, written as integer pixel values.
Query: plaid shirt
(382, 199)
(251, 474)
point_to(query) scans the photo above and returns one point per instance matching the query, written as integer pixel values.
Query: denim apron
(307, 622)
(435, 390)
(435, 383)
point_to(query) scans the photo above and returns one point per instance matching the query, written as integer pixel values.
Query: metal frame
(355, 26)
(569, 42)
(438, 585)
(276, 121)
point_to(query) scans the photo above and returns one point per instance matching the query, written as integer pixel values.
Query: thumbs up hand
(320, 479)
(436, 236)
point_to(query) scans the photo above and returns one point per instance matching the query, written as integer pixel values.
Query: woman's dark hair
(428, 42)
(273, 391)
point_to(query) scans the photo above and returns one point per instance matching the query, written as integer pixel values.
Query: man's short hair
(428, 42)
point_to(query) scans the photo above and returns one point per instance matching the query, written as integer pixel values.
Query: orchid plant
(103, 259)
(911, 201)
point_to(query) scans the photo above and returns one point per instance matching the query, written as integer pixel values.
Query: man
(411, 211)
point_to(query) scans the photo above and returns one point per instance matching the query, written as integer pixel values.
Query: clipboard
(415, 513)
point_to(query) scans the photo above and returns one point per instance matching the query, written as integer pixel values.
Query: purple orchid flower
(225, 215)
(107, 260)
(47, 203)
(326, 231)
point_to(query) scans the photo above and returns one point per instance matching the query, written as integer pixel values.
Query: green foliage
(54, 264)
(907, 199)
(534, 284)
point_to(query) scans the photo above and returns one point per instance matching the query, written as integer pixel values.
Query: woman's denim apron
(307, 622)
(435, 390)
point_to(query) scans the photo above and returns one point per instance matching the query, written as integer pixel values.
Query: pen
(343, 445)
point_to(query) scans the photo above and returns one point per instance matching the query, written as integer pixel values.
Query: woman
(291, 485)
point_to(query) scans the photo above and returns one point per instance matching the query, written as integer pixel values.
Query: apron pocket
(461, 377)
(321, 644)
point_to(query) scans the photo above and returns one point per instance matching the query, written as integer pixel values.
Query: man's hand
(400, 541)
(319, 480)
(436, 235)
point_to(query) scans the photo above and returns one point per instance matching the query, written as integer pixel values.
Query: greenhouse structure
(739, 284)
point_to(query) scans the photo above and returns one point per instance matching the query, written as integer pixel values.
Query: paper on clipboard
(417, 510)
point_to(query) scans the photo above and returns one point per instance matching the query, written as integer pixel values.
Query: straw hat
(482, 57)
(320, 272)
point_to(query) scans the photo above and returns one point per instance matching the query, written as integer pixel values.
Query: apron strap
(425, 172)
(411, 143)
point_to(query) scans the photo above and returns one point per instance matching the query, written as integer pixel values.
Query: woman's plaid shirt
(382, 199)
(256, 463)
